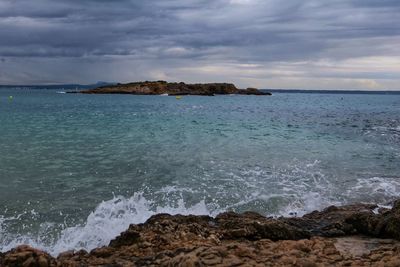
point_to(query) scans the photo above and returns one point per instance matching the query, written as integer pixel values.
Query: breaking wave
(295, 191)
(108, 220)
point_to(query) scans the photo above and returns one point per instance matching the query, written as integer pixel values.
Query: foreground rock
(163, 87)
(354, 235)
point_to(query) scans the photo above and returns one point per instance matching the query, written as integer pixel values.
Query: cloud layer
(340, 44)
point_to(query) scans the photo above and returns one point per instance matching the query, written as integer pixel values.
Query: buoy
(10, 97)
(178, 97)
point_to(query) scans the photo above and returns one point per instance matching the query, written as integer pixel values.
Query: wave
(297, 190)
(108, 220)
(380, 190)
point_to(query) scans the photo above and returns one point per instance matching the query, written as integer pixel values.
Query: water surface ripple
(73, 166)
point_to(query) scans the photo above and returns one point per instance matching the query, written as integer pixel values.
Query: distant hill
(59, 86)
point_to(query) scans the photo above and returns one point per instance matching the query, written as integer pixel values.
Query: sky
(303, 44)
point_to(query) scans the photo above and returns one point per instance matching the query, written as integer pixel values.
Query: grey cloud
(108, 27)
(185, 32)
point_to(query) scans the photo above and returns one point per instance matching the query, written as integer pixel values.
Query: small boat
(164, 94)
(178, 97)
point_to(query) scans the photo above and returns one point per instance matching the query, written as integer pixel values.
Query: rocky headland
(174, 89)
(352, 235)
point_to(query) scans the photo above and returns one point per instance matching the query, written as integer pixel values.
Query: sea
(76, 170)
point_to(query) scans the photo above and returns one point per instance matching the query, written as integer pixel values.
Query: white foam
(307, 203)
(108, 220)
(294, 191)
(378, 189)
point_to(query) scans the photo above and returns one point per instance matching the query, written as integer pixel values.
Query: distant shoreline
(289, 91)
(348, 92)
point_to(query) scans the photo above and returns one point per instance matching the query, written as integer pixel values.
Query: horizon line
(273, 89)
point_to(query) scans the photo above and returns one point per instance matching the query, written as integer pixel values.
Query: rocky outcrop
(26, 256)
(163, 87)
(353, 235)
(360, 219)
(251, 91)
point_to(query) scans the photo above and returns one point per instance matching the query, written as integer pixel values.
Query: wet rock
(253, 226)
(390, 222)
(337, 221)
(128, 237)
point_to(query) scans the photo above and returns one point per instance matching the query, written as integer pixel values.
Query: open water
(76, 170)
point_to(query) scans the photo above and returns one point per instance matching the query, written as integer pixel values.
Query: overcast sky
(337, 44)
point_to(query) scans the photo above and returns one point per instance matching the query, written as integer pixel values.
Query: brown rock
(128, 237)
(42, 261)
(253, 226)
(247, 239)
(27, 257)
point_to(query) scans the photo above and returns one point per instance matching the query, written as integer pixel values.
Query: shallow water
(75, 170)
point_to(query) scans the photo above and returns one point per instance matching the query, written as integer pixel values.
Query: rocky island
(163, 87)
(352, 235)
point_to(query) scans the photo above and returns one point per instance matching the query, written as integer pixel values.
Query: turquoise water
(75, 170)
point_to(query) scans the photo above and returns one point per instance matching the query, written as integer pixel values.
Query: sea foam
(108, 220)
(302, 188)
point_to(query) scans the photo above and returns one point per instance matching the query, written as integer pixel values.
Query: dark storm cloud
(241, 31)
(78, 28)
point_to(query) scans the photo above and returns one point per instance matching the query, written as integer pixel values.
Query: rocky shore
(353, 235)
(163, 87)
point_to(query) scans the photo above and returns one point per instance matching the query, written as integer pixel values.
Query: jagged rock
(163, 87)
(128, 237)
(253, 226)
(26, 256)
(334, 221)
(336, 236)
(350, 220)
